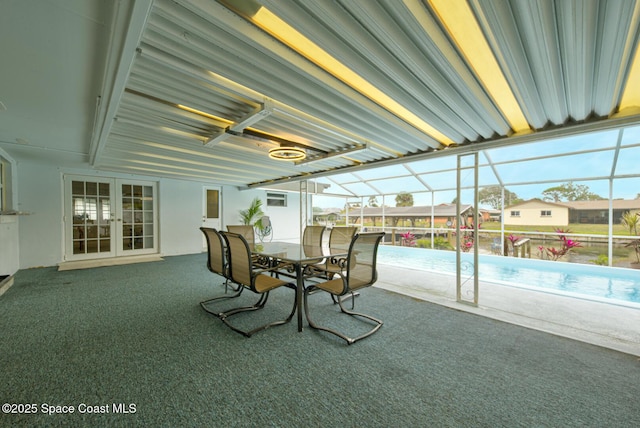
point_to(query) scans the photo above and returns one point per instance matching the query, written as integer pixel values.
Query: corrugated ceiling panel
(200, 54)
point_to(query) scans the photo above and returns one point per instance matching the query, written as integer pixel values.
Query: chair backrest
(313, 236)
(341, 236)
(361, 261)
(246, 230)
(215, 247)
(240, 270)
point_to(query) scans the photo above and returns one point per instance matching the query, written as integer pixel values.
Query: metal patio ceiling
(202, 89)
(211, 87)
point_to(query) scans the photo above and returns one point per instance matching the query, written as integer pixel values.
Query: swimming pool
(614, 285)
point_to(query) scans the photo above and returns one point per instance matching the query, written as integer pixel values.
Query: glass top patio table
(297, 253)
(299, 256)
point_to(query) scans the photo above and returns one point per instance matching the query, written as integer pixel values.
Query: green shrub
(423, 243)
(602, 260)
(441, 243)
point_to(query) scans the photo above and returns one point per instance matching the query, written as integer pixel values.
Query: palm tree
(253, 215)
(630, 221)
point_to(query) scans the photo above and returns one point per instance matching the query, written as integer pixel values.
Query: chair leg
(205, 303)
(258, 305)
(378, 323)
(351, 296)
(227, 286)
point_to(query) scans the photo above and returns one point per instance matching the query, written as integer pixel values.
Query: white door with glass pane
(109, 217)
(211, 210)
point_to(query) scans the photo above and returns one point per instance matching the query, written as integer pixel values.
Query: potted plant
(253, 215)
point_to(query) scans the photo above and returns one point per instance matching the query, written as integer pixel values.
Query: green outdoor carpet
(134, 338)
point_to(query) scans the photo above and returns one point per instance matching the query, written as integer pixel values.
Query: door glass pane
(91, 211)
(137, 217)
(212, 204)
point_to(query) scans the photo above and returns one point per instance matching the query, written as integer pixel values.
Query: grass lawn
(586, 229)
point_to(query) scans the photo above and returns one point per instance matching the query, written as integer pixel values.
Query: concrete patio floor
(602, 324)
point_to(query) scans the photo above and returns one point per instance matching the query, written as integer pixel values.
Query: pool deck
(602, 324)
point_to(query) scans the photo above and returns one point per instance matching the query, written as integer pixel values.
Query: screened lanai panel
(433, 165)
(440, 180)
(626, 188)
(399, 184)
(384, 171)
(556, 146)
(536, 190)
(631, 136)
(360, 188)
(628, 162)
(487, 177)
(343, 178)
(559, 168)
(334, 188)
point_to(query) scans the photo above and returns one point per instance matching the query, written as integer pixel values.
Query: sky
(526, 170)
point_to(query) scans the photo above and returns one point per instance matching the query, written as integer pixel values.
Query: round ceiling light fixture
(288, 153)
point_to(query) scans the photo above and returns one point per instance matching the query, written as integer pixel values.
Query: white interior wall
(179, 217)
(285, 220)
(180, 209)
(40, 232)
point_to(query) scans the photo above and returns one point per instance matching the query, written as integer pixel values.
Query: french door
(107, 217)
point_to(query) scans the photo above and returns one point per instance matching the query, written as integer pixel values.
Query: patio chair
(248, 233)
(242, 273)
(312, 236)
(358, 272)
(246, 230)
(217, 264)
(340, 236)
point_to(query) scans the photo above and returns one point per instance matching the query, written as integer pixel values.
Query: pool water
(617, 285)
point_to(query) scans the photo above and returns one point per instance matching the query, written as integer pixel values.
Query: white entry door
(211, 203)
(107, 217)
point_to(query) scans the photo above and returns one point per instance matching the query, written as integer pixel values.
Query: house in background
(597, 212)
(328, 216)
(536, 212)
(444, 215)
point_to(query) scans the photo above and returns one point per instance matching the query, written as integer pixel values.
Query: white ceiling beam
(130, 18)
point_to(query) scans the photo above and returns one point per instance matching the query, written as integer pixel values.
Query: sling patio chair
(358, 270)
(312, 236)
(340, 236)
(258, 281)
(248, 233)
(246, 230)
(217, 264)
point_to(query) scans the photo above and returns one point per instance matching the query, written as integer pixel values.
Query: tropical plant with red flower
(408, 239)
(513, 238)
(566, 245)
(467, 238)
